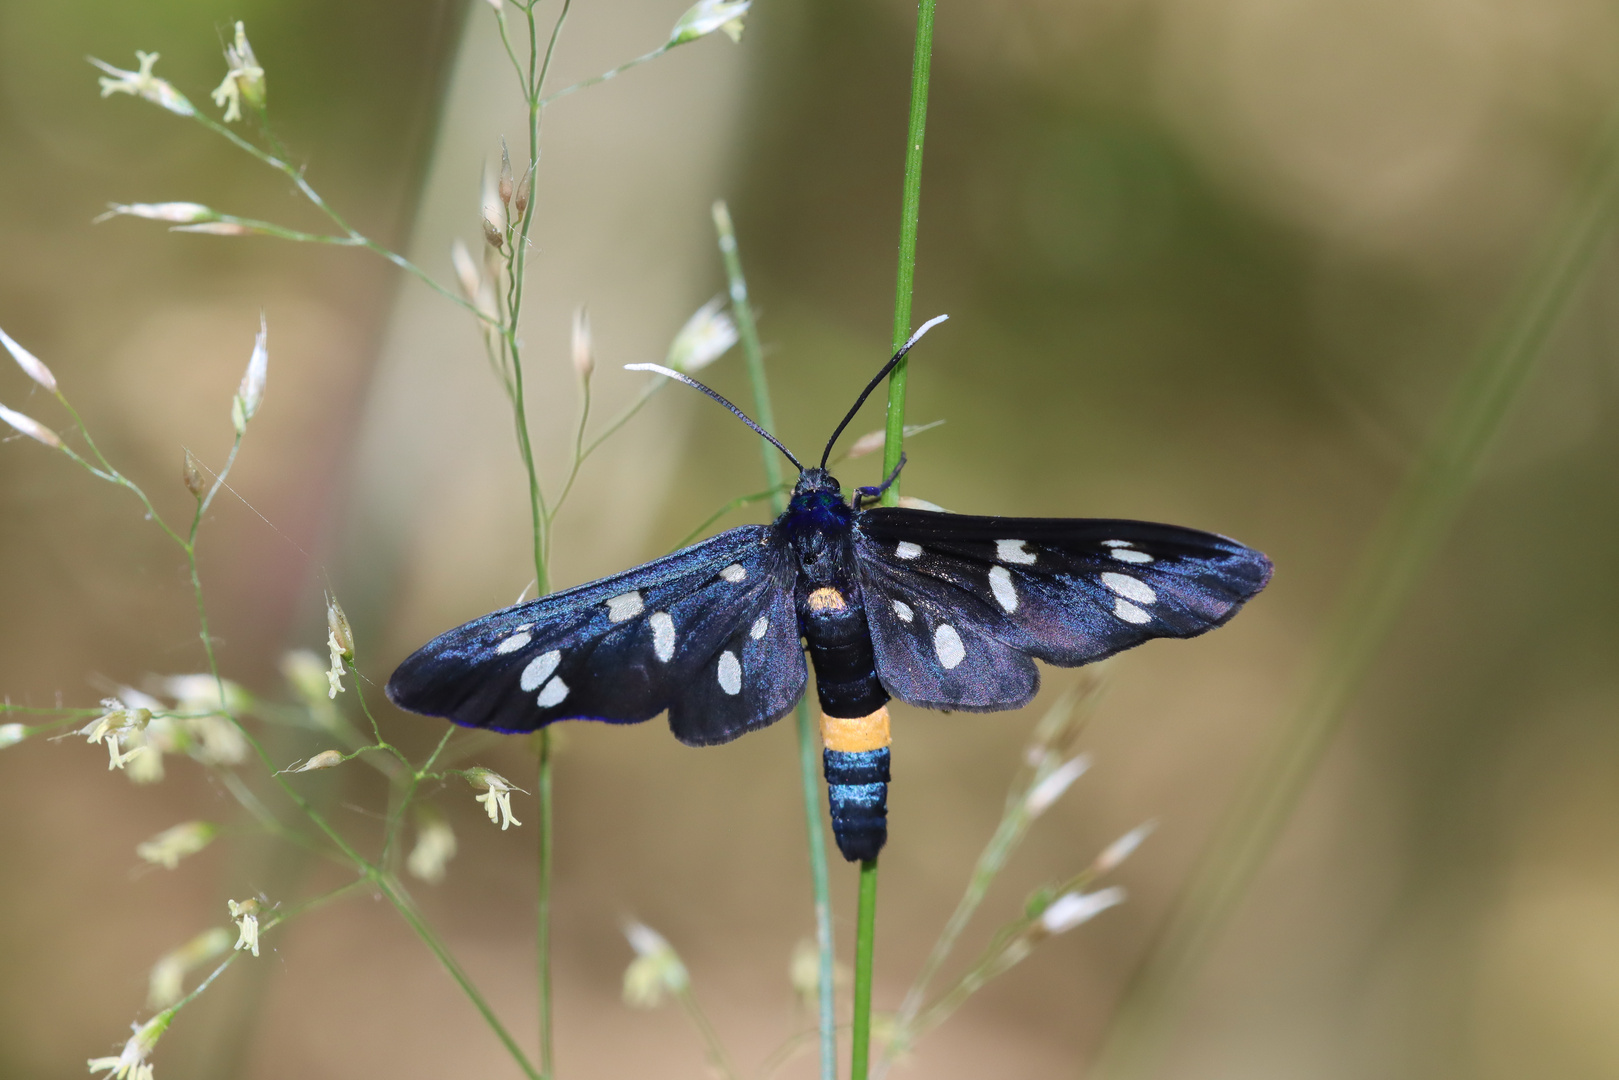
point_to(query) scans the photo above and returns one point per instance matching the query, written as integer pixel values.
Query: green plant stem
(624, 416)
(1008, 946)
(367, 871)
(578, 455)
(391, 889)
(820, 886)
(748, 330)
(1401, 548)
(351, 237)
(910, 209)
(865, 925)
(1013, 827)
(604, 76)
(705, 1030)
(735, 504)
(1050, 745)
(395, 895)
(517, 275)
(517, 255)
(397, 817)
(280, 916)
(893, 450)
(542, 901)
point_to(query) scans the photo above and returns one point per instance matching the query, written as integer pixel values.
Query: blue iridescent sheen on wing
(708, 633)
(960, 607)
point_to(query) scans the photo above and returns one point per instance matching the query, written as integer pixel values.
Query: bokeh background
(1216, 262)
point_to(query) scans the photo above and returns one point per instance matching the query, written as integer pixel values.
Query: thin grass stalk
(820, 886)
(613, 73)
(910, 210)
(718, 1058)
(893, 449)
(1405, 542)
(542, 902)
(391, 889)
(534, 86)
(865, 932)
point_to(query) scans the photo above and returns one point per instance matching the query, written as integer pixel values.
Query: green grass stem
(1394, 561)
(820, 885)
(517, 247)
(865, 927)
(910, 211)
(718, 1059)
(893, 448)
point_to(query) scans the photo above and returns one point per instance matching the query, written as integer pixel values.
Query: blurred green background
(1215, 262)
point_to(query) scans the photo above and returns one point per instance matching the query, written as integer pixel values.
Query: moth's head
(816, 481)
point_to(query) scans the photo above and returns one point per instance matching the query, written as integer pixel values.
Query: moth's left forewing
(622, 649)
(1071, 591)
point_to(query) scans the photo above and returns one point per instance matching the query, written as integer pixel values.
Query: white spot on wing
(625, 606)
(734, 573)
(1115, 543)
(1013, 551)
(552, 694)
(513, 643)
(1130, 555)
(947, 644)
(1130, 588)
(903, 610)
(730, 673)
(907, 550)
(663, 636)
(760, 625)
(1000, 583)
(538, 670)
(1129, 612)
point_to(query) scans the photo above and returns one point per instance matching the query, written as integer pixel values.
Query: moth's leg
(873, 494)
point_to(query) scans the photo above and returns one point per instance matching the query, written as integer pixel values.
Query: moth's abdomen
(854, 718)
(839, 641)
(856, 763)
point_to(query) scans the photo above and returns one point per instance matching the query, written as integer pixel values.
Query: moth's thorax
(831, 617)
(818, 523)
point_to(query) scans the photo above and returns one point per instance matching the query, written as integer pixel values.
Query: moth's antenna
(740, 415)
(881, 375)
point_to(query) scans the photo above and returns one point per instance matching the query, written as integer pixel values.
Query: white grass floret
(1074, 909)
(131, 1064)
(246, 917)
(1049, 790)
(143, 84)
(168, 847)
(1122, 848)
(30, 427)
(496, 797)
(706, 337)
(32, 365)
(707, 16)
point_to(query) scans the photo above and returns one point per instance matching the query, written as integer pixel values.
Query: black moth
(939, 610)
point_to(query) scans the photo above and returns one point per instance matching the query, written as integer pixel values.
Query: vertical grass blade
(748, 330)
(865, 927)
(910, 210)
(1401, 548)
(893, 447)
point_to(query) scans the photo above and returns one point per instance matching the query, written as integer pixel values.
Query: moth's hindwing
(708, 633)
(957, 605)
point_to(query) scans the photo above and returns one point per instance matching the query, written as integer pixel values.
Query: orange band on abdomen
(852, 735)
